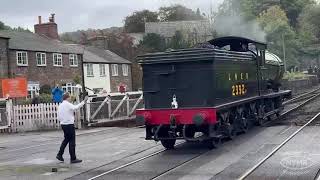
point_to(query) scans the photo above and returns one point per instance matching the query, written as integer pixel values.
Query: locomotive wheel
(168, 143)
(231, 131)
(245, 125)
(189, 132)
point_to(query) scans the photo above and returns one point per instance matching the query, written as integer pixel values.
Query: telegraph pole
(284, 54)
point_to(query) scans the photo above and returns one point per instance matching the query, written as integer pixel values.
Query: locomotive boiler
(210, 92)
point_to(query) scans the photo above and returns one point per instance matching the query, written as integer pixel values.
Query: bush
(294, 75)
(45, 98)
(45, 89)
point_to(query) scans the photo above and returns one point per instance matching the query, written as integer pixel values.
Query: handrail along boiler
(216, 89)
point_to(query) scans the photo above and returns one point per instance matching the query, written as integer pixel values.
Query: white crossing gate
(113, 106)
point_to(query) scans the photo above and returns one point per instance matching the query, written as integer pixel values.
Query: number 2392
(238, 90)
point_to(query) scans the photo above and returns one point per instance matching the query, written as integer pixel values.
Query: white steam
(237, 26)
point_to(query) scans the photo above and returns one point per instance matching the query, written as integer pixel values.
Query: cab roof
(228, 40)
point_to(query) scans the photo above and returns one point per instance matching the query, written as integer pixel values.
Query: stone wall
(200, 30)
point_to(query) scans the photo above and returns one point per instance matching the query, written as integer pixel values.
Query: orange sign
(13, 88)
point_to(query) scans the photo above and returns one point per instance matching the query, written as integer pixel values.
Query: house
(105, 70)
(41, 58)
(4, 48)
(197, 31)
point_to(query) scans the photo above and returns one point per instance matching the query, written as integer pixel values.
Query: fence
(116, 106)
(21, 118)
(35, 117)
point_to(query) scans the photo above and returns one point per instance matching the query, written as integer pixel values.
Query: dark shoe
(76, 161)
(60, 158)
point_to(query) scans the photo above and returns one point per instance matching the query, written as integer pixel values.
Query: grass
(294, 75)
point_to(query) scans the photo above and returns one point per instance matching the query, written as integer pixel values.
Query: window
(114, 69)
(73, 58)
(71, 88)
(57, 59)
(125, 69)
(22, 58)
(89, 70)
(33, 89)
(102, 69)
(41, 59)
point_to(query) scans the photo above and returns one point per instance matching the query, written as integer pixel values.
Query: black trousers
(69, 137)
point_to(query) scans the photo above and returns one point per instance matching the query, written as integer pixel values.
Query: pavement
(32, 156)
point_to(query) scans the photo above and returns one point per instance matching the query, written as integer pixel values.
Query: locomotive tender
(211, 92)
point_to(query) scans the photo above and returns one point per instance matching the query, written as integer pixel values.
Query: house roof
(98, 55)
(34, 42)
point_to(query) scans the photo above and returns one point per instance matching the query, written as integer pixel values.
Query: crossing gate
(113, 107)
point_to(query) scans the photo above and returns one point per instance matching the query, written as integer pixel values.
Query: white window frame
(90, 70)
(71, 88)
(114, 70)
(102, 70)
(33, 89)
(73, 60)
(26, 60)
(59, 56)
(43, 59)
(125, 69)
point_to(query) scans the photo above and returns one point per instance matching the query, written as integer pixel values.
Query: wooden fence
(35, 117)
(116, 106)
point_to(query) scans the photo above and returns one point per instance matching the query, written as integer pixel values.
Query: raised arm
(78, 106)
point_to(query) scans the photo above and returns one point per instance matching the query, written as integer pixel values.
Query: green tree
(276, 25)
(135, 23)
(3, 26)
(309, 31)
(178, 13)
(294, 8)
(178, 41)
(153, 42)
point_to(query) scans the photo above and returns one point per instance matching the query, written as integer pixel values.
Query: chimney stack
(39, 19)
(51, 19)
(48, 29)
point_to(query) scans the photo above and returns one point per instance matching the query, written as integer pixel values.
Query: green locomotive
(214, 90)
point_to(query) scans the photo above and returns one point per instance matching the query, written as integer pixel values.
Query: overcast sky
(73, 15)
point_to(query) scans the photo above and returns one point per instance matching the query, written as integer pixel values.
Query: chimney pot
(39, 19)
(51, 19)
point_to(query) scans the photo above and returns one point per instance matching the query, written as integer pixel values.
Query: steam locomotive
(210, 92)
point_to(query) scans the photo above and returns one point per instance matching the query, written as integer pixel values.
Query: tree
(178, 41)
(276, 25)
(153, 42)
(135, 23)
(178, 13)
(309, 32)
(3, 26)
(294, 8)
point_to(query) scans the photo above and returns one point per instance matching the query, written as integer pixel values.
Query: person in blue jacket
(57, 94)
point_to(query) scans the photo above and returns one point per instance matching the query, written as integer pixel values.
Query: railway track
(277, 148)
(296, 102)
